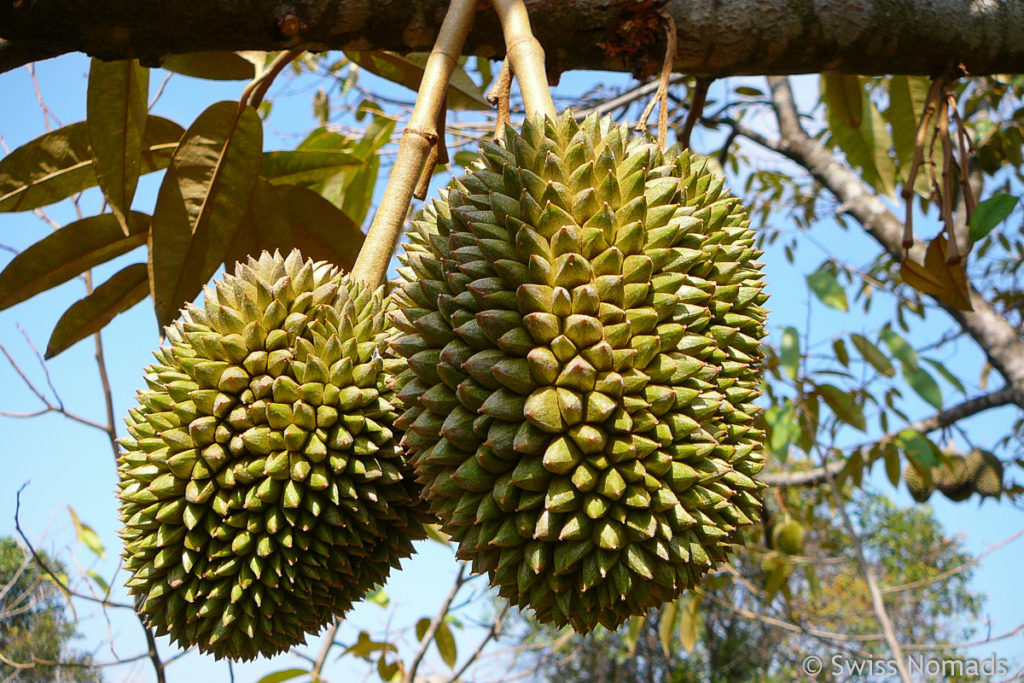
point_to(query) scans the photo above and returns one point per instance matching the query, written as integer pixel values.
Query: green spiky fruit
(582, 319)
(788, 537)
(261, 488)
(953, 480)
(918, 484)
(985, 472)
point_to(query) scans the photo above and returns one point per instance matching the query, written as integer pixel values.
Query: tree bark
(724, 37)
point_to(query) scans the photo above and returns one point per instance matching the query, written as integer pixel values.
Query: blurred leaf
(945, 281)
(667, 626)
(892, 463)
(843, 405)
(636, 623)
(872, 355)
(283, 675)
(435, 534)
(689, 624)
(213, 65)
(85, 535)
(790, 351)
(947, 375)
(783, 429)
(116, 107)
(67, 252)
(445, 642)
(919, 448)
(366, 646)
(749, 91)
(89, 315)
(58, 164)
(408, 71)
(387, 670)
(777, 569)
(865, 145)
(379, 597)
(842, 94)
(839, 348)
(826, 287)
(899, 347)
(465, 158)
(99, 581)
(421, 628)
(307, 167)
(924, 385)
(990, 213)
(202, 200)
(483, 67)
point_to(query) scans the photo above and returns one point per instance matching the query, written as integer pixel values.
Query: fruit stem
(526, 56)
(418, 138)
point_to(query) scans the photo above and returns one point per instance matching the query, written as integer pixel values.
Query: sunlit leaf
(407, 70)
(435, 534)
(924, 385)
(947, 375)
(58, 164)
(116, 108)
(843, 405)
(636, 623)
(366, 646)
(782, 426)
(899, 347)
(689, 624)
(873, 355)
(917, 446)
(98, 580)
(265, 226)
(945, 281)
(907, 95)
(379, 597)
(307, 167)
(826, 287)
(667, 626)
(321, 230)
(213, 65)
(283, 675)
(202, 200)
(445, 642)
(86, 536)
(990, 213)
(89, 315)
(842, 94)
(65, 253)
(790, 351)
(866, 145)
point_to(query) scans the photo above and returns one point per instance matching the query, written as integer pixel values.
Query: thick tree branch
(941, 419)
(714, 38)
(996, 337)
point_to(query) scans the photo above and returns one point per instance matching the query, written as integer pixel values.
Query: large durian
(261, 488)
(581, 320)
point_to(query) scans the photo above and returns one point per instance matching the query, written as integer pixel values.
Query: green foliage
(35, 629)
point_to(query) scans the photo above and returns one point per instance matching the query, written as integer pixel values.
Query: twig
(491, 633)
(438, 151)
(931, 103)
(500, 95)
(435, 623)
(321, 658)
(372, 263)
(661, 97)
(526, 56)
(700, 95)
(955, 570)
(153, 653)
(258, 87)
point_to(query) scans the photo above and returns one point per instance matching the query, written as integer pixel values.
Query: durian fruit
(788, 537)
(952, 478)
(261, 488)
(918, 484)
(581, 320)
(985, 472)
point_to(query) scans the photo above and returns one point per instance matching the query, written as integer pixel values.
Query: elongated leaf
(667, 626)
(283, 675)
(214, 66)
(379, 597)
(873, 355)
(990, 213)
(892, 463)
(636, 622)
(421, 627)
(308, 167)
(91, 314)
(924, 385)
(408, 71)
(866, 146)
(86, 535)
(843, 95)
(947, 375)
(899, 347)
(783, 429)
(824, 284)
(790, 351)
(58, 164)
(99, 580)
(65, 253)
(689, 624)
(321, 231)
(907, 95)
(917, 446)
(202, 200)
(445, 642)
(843, 405)
(842, 355)
(116, 107)
(264, 227)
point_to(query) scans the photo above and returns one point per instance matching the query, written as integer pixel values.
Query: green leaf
(283, 675)
(892, 463)
(435, 534)
(116, 109)
(89, 315)
(365, 646)
(872, 355)
(636, 622)
(917, 446)
(899, 347)
(667, 626)
(843, 405)
(67, 252)
(924, 385)
(59, 164)
(99, 580)
(214, 65)
(264, 227)
(842, 355)
(689, 624)
(783, 429)
(842, 94)
(85, 534)
(826, 287)
(907, 95)
(379, 597)
(421, 628)
(321, 230)
(408, 71)
(445, 642)
(947, 375)
(776, 569)
(790, 351)
(990, 213)
(308, 167)
(866, 145)
(202, 200)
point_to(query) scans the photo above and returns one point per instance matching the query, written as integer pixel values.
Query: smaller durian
(918, 483)
(984, 471)
(952, 478)
(788, 537)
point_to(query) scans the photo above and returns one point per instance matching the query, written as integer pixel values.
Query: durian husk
(262, 491)
(918, 484)
(952, 478)
(985, 472)
(581, 318)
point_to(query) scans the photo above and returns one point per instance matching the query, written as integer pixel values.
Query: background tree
(875, 359)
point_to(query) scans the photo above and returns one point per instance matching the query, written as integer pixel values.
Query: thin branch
(153, 653)
(435, 623)
(955, 570)
(321, 658)
(526, 56)
(700, 95)
(492, 633)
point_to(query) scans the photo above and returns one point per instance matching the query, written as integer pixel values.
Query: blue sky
(68, 464)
